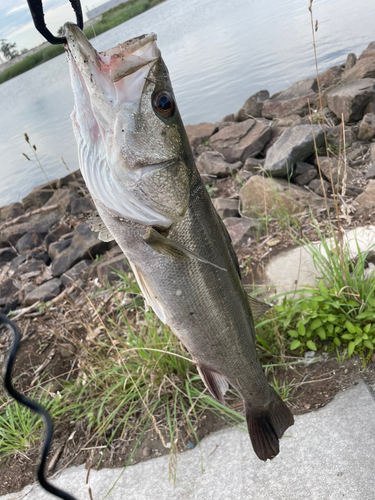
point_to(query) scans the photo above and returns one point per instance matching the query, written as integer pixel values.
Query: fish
(136, 160)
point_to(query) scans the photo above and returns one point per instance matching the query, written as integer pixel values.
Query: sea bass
(137, 163)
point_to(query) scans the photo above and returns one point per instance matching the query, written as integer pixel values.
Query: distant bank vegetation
(110, 19)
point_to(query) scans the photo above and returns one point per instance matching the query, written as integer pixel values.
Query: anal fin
(165, 246)
(257, 306)
(215, 383)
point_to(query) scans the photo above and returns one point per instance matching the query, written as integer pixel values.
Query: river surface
(218, 52)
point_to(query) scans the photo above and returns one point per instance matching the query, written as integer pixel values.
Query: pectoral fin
(257, 306)
(215, 383)
(164, 246)
(95, 223)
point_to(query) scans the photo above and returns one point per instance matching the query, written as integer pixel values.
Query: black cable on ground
(33, 406)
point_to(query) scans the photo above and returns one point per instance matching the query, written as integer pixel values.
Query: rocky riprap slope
(258, 161)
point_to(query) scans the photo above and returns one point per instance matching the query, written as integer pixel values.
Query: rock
(253, 106)
(366, 200)
(292, 101)
(41, 223)
(331, 76)
(37, 198)
(242, 177)
(262, 195)
(30, 240)
(73, 176)
(370, 174)
(295, 144)
(146, 451)
(16, 262)
(11, 211)
(228, 118)
(45, 292)
(199, 133)
(330, 167)
(289, 121)
(213, 163)
(75, 272)
(30, 266)
(9, 294)
(7, 254)
(335, 137)
(372, 152)
(369, 51)
(226, 207)
(351, 61)
(241, 231)
(306, 177)
(301, 167)
(85, 244)
(367, 127)
(365, 68)
(276, 133)
(253, 163)
(56, 233)
(55, 249)
(351, 99)
(355, 154)
(318, 185)
(39, 254)
(70, 202)
(240, 140)
(108, 271)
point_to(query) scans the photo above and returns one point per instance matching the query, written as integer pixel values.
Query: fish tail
(267, 426)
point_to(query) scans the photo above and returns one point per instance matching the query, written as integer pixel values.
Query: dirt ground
(312, 386)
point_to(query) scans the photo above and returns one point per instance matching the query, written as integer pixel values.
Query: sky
(16, 25)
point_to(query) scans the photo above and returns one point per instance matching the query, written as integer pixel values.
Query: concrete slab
(297, 266)
(326, 455)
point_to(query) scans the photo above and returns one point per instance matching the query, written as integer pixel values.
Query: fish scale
(177, 246)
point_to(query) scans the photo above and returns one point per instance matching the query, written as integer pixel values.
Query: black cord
(33, 406)
(36, 9)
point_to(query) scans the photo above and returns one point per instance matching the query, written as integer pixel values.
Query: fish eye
(163, 104)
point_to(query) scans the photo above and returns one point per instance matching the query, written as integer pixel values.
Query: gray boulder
(41, 223)
(369, 51)
(7, 255)
(85, 244)
(30, 240)
(331, 76)
(70, 202)
(261, 195)
(351, 99)
(351, 61)
(367, 127)
(57, 247)
(213, 163)
(292, 101)
(75, 272)
(306, 177)
(319, 186)
(365, 68)
(330, 167)
(37, 198)
(11, 211)
(295, 144)
(108, 271)
(8, 293)
(335, 137)
(72, 177)
(240, 140)
(56, 233)
(45, 292)
(290, 121)
(226, 207)
(366, 201)
(199, 133)
(241, 230)
(253, 106)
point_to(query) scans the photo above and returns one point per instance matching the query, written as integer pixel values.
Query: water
(218, 54)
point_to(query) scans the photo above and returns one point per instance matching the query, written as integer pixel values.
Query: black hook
(33, 406)
(36, 9)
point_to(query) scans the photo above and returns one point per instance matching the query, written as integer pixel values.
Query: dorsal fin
(215, 383)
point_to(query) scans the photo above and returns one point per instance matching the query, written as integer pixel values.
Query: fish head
(133, 149)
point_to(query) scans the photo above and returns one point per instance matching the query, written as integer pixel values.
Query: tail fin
(267, 427)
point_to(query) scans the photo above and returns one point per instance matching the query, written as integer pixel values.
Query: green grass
(110, 19)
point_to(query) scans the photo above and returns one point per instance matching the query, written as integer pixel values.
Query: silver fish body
(137, 162)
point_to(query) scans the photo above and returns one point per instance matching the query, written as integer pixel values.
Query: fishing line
(20, 398)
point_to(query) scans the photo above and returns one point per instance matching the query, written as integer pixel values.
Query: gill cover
(130, 137)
